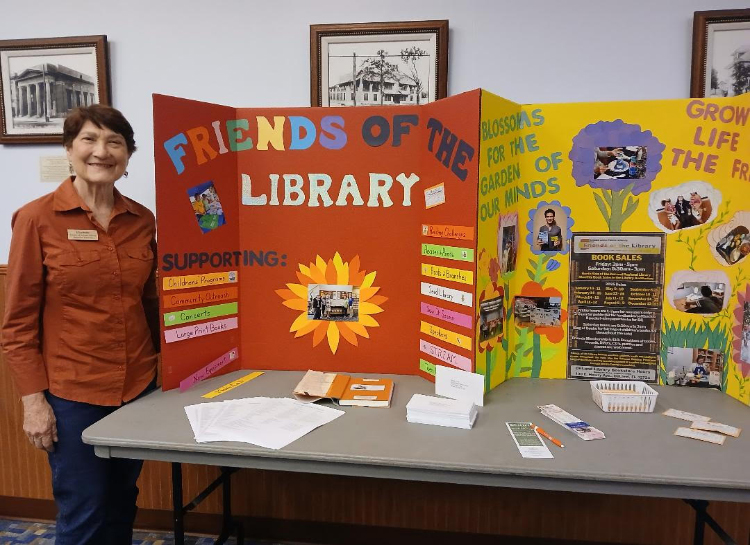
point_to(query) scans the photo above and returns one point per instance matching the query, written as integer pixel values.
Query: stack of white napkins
(440, 411)
(264, 421)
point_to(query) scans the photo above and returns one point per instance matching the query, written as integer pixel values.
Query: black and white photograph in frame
(379, 64)
(721, 53)
(42, 80)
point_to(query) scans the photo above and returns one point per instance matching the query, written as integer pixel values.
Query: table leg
(701, 519)
(178, 513)
(226, 500)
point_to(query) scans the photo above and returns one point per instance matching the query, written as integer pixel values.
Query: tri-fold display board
(600, 240)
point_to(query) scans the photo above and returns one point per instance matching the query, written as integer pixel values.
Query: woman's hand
(39, 421)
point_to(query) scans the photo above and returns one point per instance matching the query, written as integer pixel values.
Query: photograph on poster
(549, 229)
(541, 311)
(691, 204)
(333, 302)
(491, 318)
(735, 245)
(699, 297)
(206, 206)
(623, 162)
(507, 242)
(697, 367)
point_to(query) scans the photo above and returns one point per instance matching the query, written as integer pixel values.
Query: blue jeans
(95, 496)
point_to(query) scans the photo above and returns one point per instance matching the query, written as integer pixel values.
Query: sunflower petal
(318, 275)
(320, 333)
(286, 294)
(343, 278)
(377, 300)
(320, 264)
(303, 279)
(347, 333)
(369, 279)
(304, 270)
(366, 293)
(330, 273)
(369, 308)
(301, 321)
(333, 336)
(355, 275)
(299, 291)
(307, 328)
(368, 321)
(359, 329)
(296, 304)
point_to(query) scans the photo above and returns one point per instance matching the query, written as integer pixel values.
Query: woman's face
(98, 155)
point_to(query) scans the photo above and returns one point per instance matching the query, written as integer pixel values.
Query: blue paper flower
(614, 133)
(553, 265)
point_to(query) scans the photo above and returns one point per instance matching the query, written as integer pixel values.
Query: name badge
(83, 234)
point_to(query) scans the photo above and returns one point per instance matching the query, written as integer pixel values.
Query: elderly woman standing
(80, 333)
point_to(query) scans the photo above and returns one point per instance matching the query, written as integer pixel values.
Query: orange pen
(543, 433)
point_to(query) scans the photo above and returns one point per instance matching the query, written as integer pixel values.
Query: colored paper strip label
(456, 360)
(209, 370)
(434, 196)
(450, 316)
(457, 232)
(448, 252)
(199, 330)
(232, 385)
(201, 313)
(446, 294)
(198, 280)
(448, 273)
(192, 298)
(427, 367)
(445, 335)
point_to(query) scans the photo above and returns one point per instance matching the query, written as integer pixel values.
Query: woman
(81, 323)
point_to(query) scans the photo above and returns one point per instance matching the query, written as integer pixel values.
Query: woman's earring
(125, 173)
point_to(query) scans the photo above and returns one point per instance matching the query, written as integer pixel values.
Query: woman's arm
(24, 293)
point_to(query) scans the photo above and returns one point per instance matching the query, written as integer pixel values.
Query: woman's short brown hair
(101, 116)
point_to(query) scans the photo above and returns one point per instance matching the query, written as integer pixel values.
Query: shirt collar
(66, 198)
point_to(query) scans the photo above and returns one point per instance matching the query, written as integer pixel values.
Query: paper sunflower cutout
(334, 272)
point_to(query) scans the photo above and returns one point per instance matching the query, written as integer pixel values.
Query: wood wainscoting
(289, 500)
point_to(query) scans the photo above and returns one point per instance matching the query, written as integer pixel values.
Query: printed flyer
(616, 287)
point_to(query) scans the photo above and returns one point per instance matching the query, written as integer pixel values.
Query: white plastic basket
(624, 396)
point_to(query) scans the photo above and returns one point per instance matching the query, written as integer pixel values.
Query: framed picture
(42, 79)
(378, 64)
(721, 53)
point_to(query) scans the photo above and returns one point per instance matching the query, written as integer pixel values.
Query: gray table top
(640, 455)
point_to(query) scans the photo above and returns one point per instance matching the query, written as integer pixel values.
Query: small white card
(83, 234)
(434, 196)
(527, 440)
(458, 384)
(682, 415)
(701, 435)
(717, 427)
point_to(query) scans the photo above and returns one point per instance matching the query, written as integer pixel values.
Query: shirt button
(115, 273)
(117, 297)
(110, 248)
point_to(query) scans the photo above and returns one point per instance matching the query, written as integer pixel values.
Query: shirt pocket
(80, 273)
(137, 263)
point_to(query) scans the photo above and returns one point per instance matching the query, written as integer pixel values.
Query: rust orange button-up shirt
(81, 314)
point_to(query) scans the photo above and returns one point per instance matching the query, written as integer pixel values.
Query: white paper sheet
(266, 422)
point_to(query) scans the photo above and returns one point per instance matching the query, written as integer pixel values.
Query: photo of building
(43, 94)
